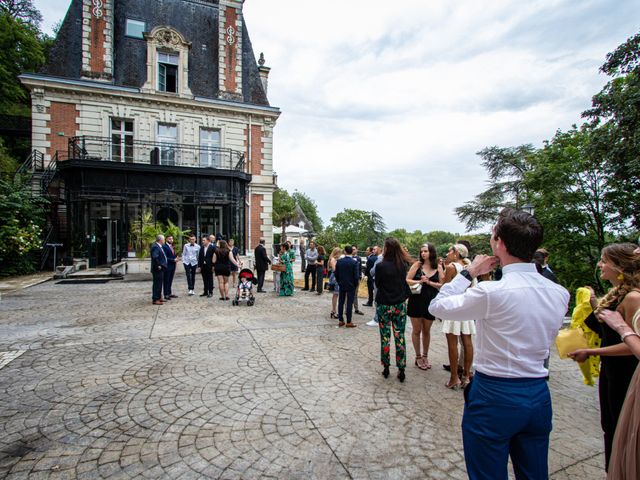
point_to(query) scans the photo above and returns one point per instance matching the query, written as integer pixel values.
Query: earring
(620, 276)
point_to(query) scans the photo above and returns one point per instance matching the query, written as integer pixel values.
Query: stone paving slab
(109, 386)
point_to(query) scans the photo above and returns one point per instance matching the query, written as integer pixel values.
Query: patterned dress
(286, 278)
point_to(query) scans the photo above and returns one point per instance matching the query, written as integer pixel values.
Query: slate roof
(196, 20)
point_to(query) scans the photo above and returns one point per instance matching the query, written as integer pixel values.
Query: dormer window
(168, 72)
(167, 62)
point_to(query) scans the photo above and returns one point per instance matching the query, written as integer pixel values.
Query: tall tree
(506, 168)
(20, 51)
(310, 209)
(615, 116)
(358, 227)
(571, 192)
(23, 10)
(284, 209)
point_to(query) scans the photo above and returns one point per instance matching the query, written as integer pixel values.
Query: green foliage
(284, 209)
(583, 183)
(21, 226)
(327, 239)
(143, 233)
(615, 116)
(357, 227)
(506, 168)
(171, 229)
(8, 164)
(23, 10)
(20, 51)
(571, 192)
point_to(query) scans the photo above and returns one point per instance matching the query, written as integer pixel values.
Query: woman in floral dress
(287, 258)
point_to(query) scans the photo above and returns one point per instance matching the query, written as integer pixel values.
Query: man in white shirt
(190, 254)
(507, 406)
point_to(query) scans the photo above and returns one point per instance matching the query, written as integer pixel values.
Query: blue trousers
(507, 417)
(158, 280)
(348, 295)
(168, 280)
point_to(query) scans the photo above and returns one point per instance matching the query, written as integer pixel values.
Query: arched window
(167, 62)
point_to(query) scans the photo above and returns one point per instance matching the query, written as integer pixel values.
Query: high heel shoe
(464, 382)
(401, 376)
(455, 386)
(385, 372)
(333, 315)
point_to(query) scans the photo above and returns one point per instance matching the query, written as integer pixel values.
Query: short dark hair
(521, 233)
(348, 249)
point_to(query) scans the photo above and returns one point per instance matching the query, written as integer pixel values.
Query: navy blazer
(158, 257)
(347, 273)
(371, 261)
(171, 256)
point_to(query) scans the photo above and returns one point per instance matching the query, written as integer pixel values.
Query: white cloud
(384, 105)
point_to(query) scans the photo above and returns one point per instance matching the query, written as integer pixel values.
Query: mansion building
(153, 107)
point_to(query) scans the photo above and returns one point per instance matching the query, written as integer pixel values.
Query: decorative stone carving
(167, 38)
(97, 8)
(231, 32)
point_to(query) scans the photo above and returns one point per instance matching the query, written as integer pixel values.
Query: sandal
(420, 363)
(426, 362)
(455, 386)
(464, 382)
(333, 315)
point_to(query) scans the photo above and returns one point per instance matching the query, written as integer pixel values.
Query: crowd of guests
(213, 256)
(511, 302)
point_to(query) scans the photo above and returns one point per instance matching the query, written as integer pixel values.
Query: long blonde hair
(623, 258)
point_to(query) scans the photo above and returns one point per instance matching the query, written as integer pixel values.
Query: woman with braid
(625, 454)
(620, 266)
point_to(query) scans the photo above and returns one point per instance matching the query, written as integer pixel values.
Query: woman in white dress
(458, 260)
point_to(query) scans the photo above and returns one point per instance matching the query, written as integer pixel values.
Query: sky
(385, 104)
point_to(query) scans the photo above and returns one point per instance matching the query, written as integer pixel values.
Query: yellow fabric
(569, 340)
(591, 367)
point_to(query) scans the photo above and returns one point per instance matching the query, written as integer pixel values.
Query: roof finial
(261, 61)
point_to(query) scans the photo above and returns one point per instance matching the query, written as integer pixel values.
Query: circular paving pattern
(112, 387)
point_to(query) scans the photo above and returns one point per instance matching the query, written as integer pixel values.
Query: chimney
(230, 49)
(97, 39)
(264, 73)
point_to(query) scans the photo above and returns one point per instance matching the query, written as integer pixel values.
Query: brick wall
(257, 146)
(256, 219)
(63, 119)
(97, 43)
(231, 52)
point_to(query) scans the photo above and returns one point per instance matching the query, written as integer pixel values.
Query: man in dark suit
(172, 258)
(262, 263)
(371, 261)
(205, 264)
(158, 267)
(347, 276)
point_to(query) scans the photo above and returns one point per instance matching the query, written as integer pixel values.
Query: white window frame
(168, 153)
(210, 158)
(123, 134)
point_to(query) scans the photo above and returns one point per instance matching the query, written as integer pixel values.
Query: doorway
(210, 220)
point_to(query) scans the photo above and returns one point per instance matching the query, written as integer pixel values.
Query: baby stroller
(244, 292)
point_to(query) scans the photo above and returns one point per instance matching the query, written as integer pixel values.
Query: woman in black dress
(222, 261)
(429, 273)
(618, 265)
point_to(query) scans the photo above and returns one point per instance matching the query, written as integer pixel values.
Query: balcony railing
(127, 150)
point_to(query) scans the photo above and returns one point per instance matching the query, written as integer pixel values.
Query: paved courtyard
(95, 382)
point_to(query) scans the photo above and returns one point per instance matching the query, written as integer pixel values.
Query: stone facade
(152, 78)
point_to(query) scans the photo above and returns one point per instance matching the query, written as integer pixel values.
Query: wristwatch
(465, 273)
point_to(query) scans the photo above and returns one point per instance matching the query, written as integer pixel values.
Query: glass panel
(209, 147)
(116, 155)
(134, 28)
(167, 137)
(162, 77)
